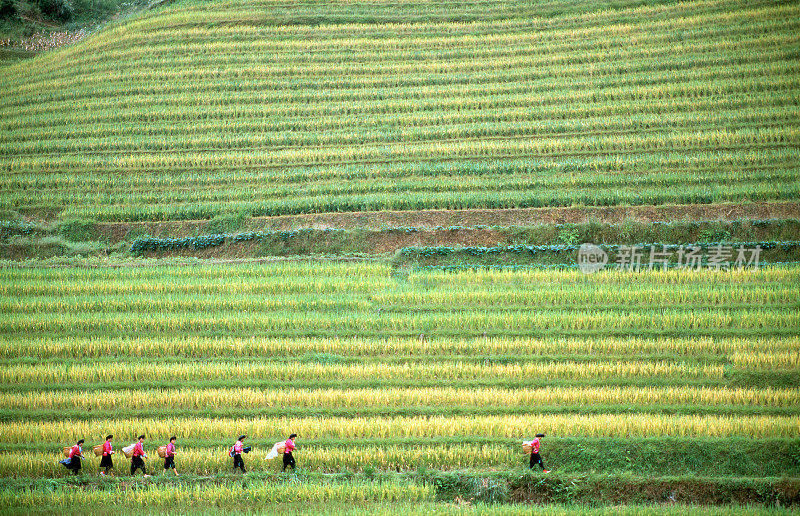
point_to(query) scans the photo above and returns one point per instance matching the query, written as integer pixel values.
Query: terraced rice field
(410, 385)
(269, 108)
(439, 370)
(394, 375)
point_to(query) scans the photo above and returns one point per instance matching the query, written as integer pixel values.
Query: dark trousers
(75, 465)
(238, 462)
(288, 460)
(137, 462)
(169, 463)
(106, 463)
(536, 459)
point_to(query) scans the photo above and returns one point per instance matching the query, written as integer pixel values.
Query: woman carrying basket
(105, 462)
(137, 461)
(535, 457)
(169, 456)
(75, 456)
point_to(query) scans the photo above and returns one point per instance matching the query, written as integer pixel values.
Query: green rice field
(269, 108)
(358, 221)
(436, 370)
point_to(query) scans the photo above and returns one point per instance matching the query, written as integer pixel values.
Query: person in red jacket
(137, 461)
(169, 456)
(75, 456)
(288, 457)
(105, 461)
(236, 453)
(535, 457)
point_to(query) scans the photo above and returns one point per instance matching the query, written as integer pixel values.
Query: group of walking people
(287, 448)
(137, 454)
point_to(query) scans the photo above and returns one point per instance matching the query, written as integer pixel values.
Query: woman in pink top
(137, 461)
(236, 452)
(75, 456)
(106, 462)
(535, 457)
(288, 458)
(169, 455)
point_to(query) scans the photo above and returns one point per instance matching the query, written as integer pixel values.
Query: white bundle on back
(273, 452)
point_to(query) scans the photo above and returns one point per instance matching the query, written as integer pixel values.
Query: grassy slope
(257, 107)
(426, 492)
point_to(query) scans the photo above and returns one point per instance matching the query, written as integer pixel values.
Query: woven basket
(162, 451)
(282, 448)
(527, 448)
(98, 450)
(66, 451)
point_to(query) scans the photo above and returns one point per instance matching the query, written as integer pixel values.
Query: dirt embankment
(382, 233)
(118, 231)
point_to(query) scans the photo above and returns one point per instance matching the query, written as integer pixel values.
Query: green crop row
(364, 299)
(420, 492)
(505, 427)
(284, 323)
(354, 399)
(132, 210)
(53, 374)
(332, 350)
(167, 497)
(159, 192)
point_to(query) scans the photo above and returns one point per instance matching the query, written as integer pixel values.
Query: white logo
(591, 258)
